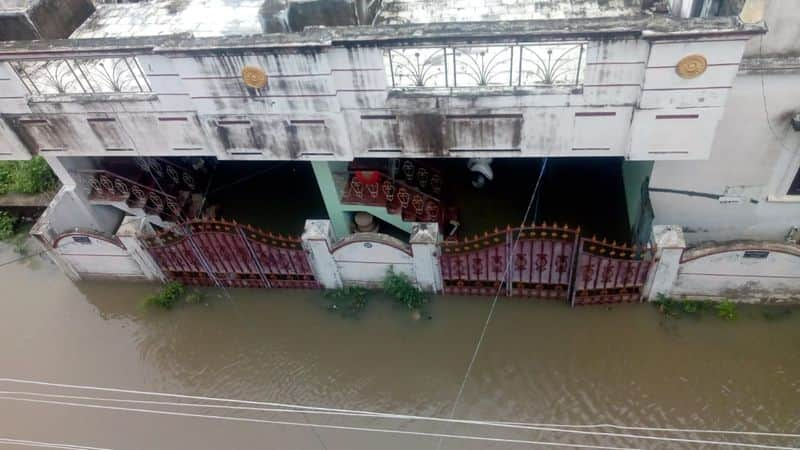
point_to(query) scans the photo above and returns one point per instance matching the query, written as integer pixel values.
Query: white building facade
(697, 97)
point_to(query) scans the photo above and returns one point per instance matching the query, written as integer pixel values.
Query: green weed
(402, 290)
(350, 301)
(167, 297)
(726, 309)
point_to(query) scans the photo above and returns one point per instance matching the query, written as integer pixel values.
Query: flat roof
(202, 18)
(445, 11)
(218, 18)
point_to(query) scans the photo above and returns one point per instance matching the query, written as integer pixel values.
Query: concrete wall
(364, 259)
(93, 258)
(677, 117)
(740, 192)
(742, 271)
(782, 17)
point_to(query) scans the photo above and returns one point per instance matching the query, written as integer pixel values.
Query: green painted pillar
(324, 172)
(635, 175)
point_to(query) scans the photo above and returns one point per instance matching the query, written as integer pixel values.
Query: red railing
(108, 186)
(222, 253)
(396, 196)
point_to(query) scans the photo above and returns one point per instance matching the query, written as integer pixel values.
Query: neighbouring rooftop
(202, 18)
(217, 18)
(432, 11)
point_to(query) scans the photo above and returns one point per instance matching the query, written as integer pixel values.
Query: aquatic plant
(400, 288)
(167, 297)
(726, 309)
(673, 307)
(668, 305)
(350, 300)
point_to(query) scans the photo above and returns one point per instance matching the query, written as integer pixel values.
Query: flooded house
(320, 143)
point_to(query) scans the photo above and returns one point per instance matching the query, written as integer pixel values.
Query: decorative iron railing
(104, 185)
(396, 196)
(121, 74)
(536, 64)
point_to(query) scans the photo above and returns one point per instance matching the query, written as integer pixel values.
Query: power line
(518, 426)
(494, 302)
(332, 427)
(317, 409)
(27, 443)
(403, 432)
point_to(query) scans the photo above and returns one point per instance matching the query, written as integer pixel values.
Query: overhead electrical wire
(519, 426)
(326, 426)
(295, 408)
(28, 443)
(404, 432)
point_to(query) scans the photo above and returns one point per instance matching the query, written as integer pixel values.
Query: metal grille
(547, 262)
(540, 264)
(539, 64)
(82, 75)
(610, 273)
(221, 253)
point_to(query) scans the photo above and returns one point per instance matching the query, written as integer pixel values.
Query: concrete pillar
(425, 250)
(128, 234)
(670, 245)
(60, 171)
(339, 219)
(317, 240)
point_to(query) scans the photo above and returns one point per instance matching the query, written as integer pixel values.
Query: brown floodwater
(540, 362)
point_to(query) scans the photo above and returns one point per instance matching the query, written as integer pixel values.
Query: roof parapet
(644, 26)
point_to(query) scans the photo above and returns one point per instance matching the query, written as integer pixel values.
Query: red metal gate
(221, 253)
(538, 265)
(547, 262)
(610, 273)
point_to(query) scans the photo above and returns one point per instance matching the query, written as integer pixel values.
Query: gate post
(317, 239)
(670, 245)
(424, 244)
(129, 230)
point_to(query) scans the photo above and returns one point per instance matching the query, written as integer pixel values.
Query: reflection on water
(540, 361)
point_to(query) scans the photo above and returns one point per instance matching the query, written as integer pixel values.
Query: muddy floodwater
(540, 363)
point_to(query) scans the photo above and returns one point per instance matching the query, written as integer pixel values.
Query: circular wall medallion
(254, 77)
(691, 66)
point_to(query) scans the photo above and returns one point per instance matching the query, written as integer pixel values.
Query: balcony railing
(524, 65)
(121, 74)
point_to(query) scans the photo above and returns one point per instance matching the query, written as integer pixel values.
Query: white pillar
(317, 240)
(670, 245)
(425, 249)
(81, 212)
(128, 235)
(60, 171)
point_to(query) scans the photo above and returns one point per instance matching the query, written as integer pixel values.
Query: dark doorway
(274, 195)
